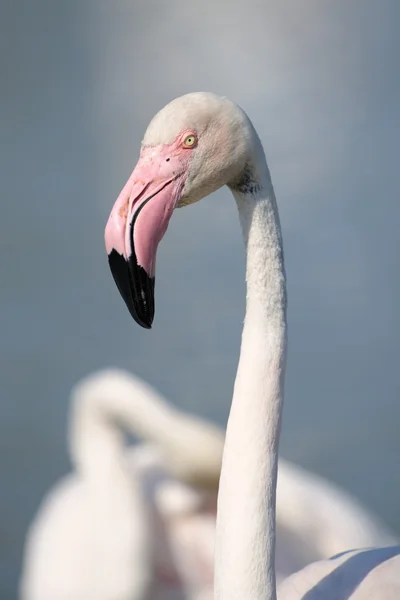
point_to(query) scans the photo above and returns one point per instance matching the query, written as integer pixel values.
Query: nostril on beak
(167, 159)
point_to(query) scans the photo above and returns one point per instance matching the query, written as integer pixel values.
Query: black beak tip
(141, 319)
(135, 286)
(145, 325)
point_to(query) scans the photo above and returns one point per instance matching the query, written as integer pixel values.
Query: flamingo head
(192, 147)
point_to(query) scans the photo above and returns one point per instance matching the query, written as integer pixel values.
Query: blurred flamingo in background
(139, 521)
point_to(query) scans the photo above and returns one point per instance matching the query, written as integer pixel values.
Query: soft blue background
(79, 82)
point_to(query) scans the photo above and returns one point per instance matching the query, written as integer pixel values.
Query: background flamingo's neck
(106, 403)
(245, 539)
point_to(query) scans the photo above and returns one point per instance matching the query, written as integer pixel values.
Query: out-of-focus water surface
(79, 82)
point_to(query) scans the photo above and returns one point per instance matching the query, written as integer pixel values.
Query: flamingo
(172, 507)
(65, 557)
(105, 531)
(193, 146)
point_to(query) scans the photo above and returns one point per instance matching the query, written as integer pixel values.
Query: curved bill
(137, 223)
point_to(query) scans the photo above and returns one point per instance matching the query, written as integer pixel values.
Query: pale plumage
(370, 574)
(66, 557)
(173, 522)
(173, 172)
(100, 533)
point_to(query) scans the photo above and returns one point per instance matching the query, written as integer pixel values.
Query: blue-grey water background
(79, 82)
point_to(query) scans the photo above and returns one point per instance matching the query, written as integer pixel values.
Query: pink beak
(138, 222)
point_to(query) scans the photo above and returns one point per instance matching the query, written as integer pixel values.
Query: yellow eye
(189, 141)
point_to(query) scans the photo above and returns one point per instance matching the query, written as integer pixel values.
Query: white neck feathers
(245, 543)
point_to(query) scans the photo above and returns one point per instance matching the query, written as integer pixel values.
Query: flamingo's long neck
(245, 538)
(108, 401)
(118, 512)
